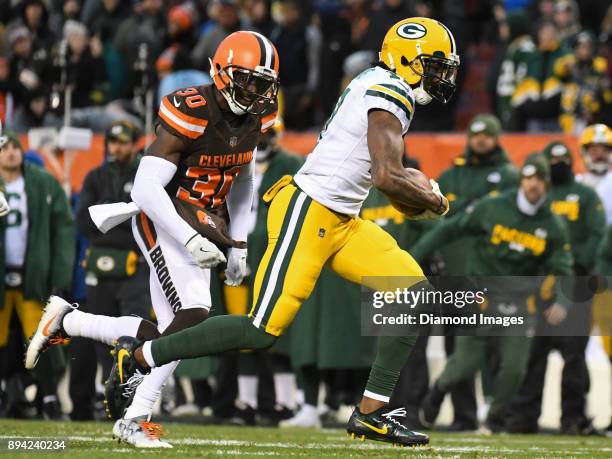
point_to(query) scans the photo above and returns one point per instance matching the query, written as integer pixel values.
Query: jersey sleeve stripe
(187, 129)
(396, 92)
(393, 99)
(402, 92)
(188, 119)
(268, 121)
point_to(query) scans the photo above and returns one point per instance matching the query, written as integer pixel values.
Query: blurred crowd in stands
(540, 66)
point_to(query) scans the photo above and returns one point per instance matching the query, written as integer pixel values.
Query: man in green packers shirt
(483, 169)
(581, 209)
(37, 252)
(517, 235)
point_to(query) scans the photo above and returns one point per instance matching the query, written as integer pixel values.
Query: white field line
(345, 445)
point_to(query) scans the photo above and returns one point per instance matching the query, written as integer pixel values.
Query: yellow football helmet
(422, 50)
(597, 160)
(596, 133)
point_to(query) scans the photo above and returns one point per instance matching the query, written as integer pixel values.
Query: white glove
(4, 207)
(237, 268)
(430, 214)
(205, 253)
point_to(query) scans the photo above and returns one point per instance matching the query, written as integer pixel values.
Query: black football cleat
(125, 376)
(383, 425)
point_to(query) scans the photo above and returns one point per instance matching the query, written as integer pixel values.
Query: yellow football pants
(29, 313)
(304, 236)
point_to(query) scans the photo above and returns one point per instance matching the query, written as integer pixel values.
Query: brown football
(420, 178)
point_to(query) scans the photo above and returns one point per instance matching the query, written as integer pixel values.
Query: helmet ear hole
(404, 61)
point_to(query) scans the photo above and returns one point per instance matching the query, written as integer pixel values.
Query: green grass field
(93, 440)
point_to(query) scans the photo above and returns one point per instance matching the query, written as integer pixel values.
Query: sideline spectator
(584, 82)
(582, 212)
(298, 45)
(227, 21)
(37, 251)
(536, 101)
(521, 215)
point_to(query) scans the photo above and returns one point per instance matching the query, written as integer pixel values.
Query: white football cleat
(49, 331)
(140, 433)
(306, 417)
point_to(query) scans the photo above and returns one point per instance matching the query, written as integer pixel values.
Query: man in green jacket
(265, 379)
(483, 169)
(581, 209)
(37, 253)
(517, 235)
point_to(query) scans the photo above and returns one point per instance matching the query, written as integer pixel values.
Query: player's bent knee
(259, 338)
(186, 318)
(147, 331)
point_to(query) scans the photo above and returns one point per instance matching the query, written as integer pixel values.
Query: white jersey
(591, 180)
(337, 172)
(604, 189)
(16, 236)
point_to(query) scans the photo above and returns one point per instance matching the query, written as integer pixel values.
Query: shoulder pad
(184, 112)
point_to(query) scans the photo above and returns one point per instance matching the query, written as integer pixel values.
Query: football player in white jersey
(313, 222)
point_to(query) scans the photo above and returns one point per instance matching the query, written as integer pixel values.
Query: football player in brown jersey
(194, 188)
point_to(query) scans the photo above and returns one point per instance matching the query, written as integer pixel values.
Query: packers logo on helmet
(423, 52)
(412, 31)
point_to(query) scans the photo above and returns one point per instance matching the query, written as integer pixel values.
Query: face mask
(560, 173)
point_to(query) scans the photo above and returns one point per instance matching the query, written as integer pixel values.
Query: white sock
(147, 355)
(299, 397)
(247, 390)
(149, 391)
(100, 328)
(284, 386)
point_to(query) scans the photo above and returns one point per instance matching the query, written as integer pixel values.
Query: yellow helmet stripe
(452, 39)
(405, 102)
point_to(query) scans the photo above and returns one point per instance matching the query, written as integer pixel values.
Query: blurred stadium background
(73, 70)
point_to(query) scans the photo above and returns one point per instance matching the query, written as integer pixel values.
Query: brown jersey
(216, 147)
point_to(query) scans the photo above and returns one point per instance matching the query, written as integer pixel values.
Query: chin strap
(236, 108)
(421, 96)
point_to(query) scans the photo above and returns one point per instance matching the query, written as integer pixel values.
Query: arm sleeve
(594, 223)
(240, 202)
(560, 261)
(87, 198)
(604, 256)
(448, 230)
(150, 195)
(63, 239)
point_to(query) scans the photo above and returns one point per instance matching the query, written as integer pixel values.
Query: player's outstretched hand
(4, 207)
(237, 268)
(205, 253)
